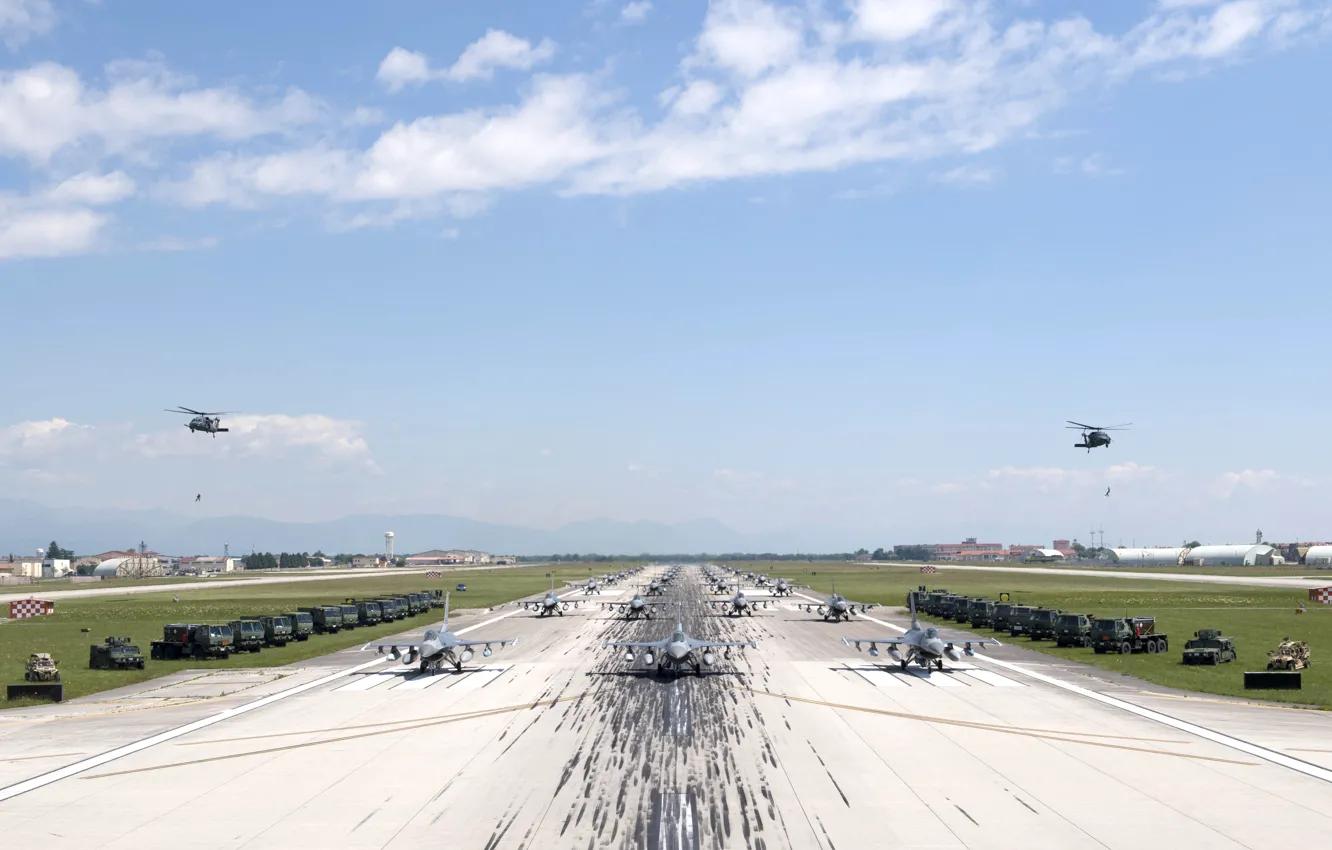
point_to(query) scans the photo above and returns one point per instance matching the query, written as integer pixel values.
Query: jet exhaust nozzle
(647, 658)
(709, 658)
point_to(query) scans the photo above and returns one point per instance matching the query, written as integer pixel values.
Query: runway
(555, 742)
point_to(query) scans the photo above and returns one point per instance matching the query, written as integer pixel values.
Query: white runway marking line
(370, 680)
(994, 679)
(78, 767)
(879, 678)
(1281, 759)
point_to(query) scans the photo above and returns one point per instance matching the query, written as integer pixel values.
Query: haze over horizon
(832, 268)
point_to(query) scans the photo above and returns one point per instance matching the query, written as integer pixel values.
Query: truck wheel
(1216, 659)
(1151, 647)
(1126, 648)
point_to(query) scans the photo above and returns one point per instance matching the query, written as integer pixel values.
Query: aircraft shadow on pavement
(653, 674)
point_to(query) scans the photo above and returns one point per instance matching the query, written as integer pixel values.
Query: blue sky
(845, 265)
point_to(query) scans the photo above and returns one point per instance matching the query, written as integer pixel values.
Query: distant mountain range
(26, 526)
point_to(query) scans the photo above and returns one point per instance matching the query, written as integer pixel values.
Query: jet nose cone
(934, 647)
(677, 650)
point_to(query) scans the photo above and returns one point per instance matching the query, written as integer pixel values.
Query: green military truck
(193, 640)
(302, 624)
(1002, 616)
(248, 633)
(1019, 620)
(1127, 635)
(962, 608)
(435, 597)
(327, 619)
(117, 653)
(1209, 646)
(278, 630)
(981, 612)
(1073, 630)
(415, 604)
(395, 606)
(1043, 624)
(947, 606)
(350, 618)
(368, 613)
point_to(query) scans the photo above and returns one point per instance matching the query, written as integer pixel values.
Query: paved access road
(1250, 581)
(556, 743)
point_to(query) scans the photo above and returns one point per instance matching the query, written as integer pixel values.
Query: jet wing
(491, 642)
(695, 643)
(642, 644)
(392, 644)
(887, 641)
(864, 606)
(976, 641)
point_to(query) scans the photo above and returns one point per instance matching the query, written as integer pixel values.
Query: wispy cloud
(496, 49)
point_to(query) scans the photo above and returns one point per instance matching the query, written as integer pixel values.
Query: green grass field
(1257, 617)
(142, 616)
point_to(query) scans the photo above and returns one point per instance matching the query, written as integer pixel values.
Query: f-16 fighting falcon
(592, 586)
(548, 604)
(837, 607)
(784, 588)
(923, 646)
(437, 646)
(634, 608)
(653, 587)
(739, 605)
(677, 651)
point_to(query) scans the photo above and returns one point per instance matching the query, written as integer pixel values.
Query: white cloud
(92, 189)
(47, 108)
(23, 19)
(545, 452)
(1248, 479)
(636, 12)
(49, 232)
(748, 37)
(969, 175)
(173, 244)
(895, 20)
(329, 441)
(30, 439)
(495, 49)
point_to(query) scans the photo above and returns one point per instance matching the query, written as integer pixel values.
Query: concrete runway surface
(557, 743)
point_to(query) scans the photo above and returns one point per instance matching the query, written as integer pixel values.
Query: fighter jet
(634, 608)
(548, 604)
(923, 646)
(837, 607)
(677, 651)
(784, 588)
(592, 586)
(437, 646)
(739, 604)
(653, 587)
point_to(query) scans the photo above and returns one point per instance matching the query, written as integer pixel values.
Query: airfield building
(1155, 556)
(1043, 556)
(1230, 555)
(136, 567)
(1318, 555)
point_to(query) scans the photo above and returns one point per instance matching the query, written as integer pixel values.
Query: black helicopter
(1094, 436)
(209, 423)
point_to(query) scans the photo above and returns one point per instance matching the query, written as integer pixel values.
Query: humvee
(1209, 646)
(117, 653)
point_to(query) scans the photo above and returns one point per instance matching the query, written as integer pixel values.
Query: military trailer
(368, 613)
(194, 640)
(1209, 646)
(277, 629)
(1127, 635)
(1001, 617)
(117, 653)
(41, 667)
(327, 619)
(350, 618)
(302, 624)
(1043, 624)
(1073, 630)
(248, 635)
(1019, 620)
(1290, 655)
(981, 612)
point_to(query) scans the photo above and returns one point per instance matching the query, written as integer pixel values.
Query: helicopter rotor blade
(1080, 425)
(185, 410)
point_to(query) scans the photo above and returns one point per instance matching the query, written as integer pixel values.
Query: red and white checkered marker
(928, 569)
(1321, 594)
(20, 608)
(434, 574)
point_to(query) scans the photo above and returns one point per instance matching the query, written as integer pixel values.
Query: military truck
(415, 604)
(117, 653)
(1042, 624)
(1073, 630)
(947, 606)
(981, 612)
(349, 616)
(1127, 635)
(327, 619)
(1290, 655)
(194, 640)
(248, 634)
(41, 667)
(962, 609)
(1209, 646)
(302, 624)
(435, 597)
(277, 629)
(1019, 620)
(1001, 617)
(392, 609)
(368, 613)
